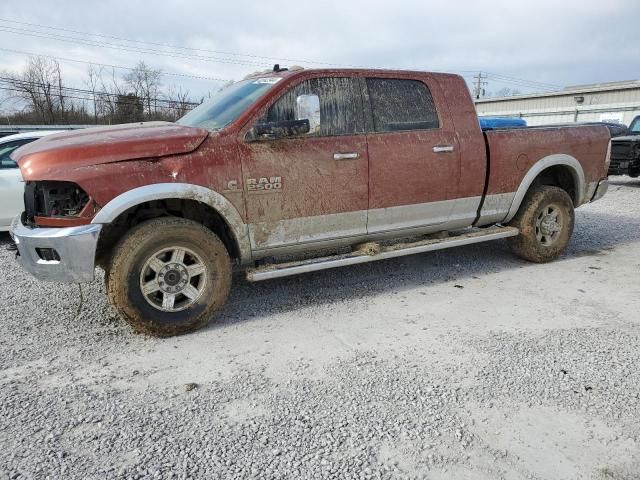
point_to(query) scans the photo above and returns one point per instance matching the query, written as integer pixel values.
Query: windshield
(228, 104)
(635, 126)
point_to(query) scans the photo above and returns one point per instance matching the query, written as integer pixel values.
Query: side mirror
(308, 108)
(287, 128)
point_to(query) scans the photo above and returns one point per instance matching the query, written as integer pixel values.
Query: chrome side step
(371, 252)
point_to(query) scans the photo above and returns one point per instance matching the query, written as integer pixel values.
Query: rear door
(414, 158)
(310, 188)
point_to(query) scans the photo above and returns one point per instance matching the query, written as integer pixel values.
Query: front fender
(187, 191)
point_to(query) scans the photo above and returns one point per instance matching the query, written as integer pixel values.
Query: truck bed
(512, 152)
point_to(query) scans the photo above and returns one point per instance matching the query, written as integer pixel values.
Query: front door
(414, 168)
(310, 188)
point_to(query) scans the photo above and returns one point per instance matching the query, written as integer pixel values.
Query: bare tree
(41, 86)
(145, 83)
(41, 96)
(178, 102)
(92, 82)
(111, 90)
(61, 104)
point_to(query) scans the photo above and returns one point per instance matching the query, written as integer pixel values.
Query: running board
(371, 252)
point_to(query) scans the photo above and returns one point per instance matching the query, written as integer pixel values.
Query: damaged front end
(54, 237)
(57, 254)
(56, 204)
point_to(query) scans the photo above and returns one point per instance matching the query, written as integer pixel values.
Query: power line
(478, 89)
(532, 82)
(20, 82)
(88, 99)
(102, 93)
(136, 49)
(119, 67)
(523, 84)
(191, 56)
(218, 52)
(121, 99)
(480, 82)
(124, 48)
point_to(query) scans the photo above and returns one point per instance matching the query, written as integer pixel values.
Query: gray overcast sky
(557, 43)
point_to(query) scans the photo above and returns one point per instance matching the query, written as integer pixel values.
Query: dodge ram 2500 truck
(313, 168)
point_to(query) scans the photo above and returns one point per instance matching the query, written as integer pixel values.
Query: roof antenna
(276, 68)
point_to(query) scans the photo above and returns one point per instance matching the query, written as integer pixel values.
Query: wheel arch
(216, 204)
(551, 166)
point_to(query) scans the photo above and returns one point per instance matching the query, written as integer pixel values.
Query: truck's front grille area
(52, 199)
(622, 150)
(625, 158)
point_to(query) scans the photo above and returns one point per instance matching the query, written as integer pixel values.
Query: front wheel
(545, 220)
(168, 276)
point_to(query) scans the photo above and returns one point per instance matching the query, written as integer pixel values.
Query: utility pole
(478, 89)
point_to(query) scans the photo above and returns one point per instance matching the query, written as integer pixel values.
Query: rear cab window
(401, 105)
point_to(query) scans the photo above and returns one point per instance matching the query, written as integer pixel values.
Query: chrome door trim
(442, 149)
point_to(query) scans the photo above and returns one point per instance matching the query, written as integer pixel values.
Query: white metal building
(603, 102)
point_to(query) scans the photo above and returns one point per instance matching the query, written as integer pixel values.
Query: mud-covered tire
(136, 257)
(539, 240)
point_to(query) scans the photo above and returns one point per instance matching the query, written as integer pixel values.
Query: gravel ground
(461, 364)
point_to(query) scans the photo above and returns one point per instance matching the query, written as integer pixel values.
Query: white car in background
(11, 185)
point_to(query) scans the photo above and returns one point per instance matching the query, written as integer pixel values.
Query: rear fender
(550, 161)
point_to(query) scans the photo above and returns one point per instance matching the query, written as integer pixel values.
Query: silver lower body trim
(495, 208)
(292, 236)
(307, 229)
(75, 247)
(601, 189)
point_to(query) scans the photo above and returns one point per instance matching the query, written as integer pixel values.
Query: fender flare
(164, 191)
(550, 161)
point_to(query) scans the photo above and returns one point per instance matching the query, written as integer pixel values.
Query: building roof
(573, 90)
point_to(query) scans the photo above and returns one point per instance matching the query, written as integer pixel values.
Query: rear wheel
(168, 276)
(545, 220)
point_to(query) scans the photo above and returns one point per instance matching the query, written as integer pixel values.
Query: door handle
(443, 149)
(346, 156)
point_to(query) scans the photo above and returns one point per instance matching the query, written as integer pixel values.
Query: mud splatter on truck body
(297, 162)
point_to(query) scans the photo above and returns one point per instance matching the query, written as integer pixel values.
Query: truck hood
(95, 146)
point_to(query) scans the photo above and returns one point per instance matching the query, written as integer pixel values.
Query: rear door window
(399, 105)
(340, 105)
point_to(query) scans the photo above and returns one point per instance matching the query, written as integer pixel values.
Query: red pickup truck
(310, 169)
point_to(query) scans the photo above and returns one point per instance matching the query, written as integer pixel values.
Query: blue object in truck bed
(492, 123)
